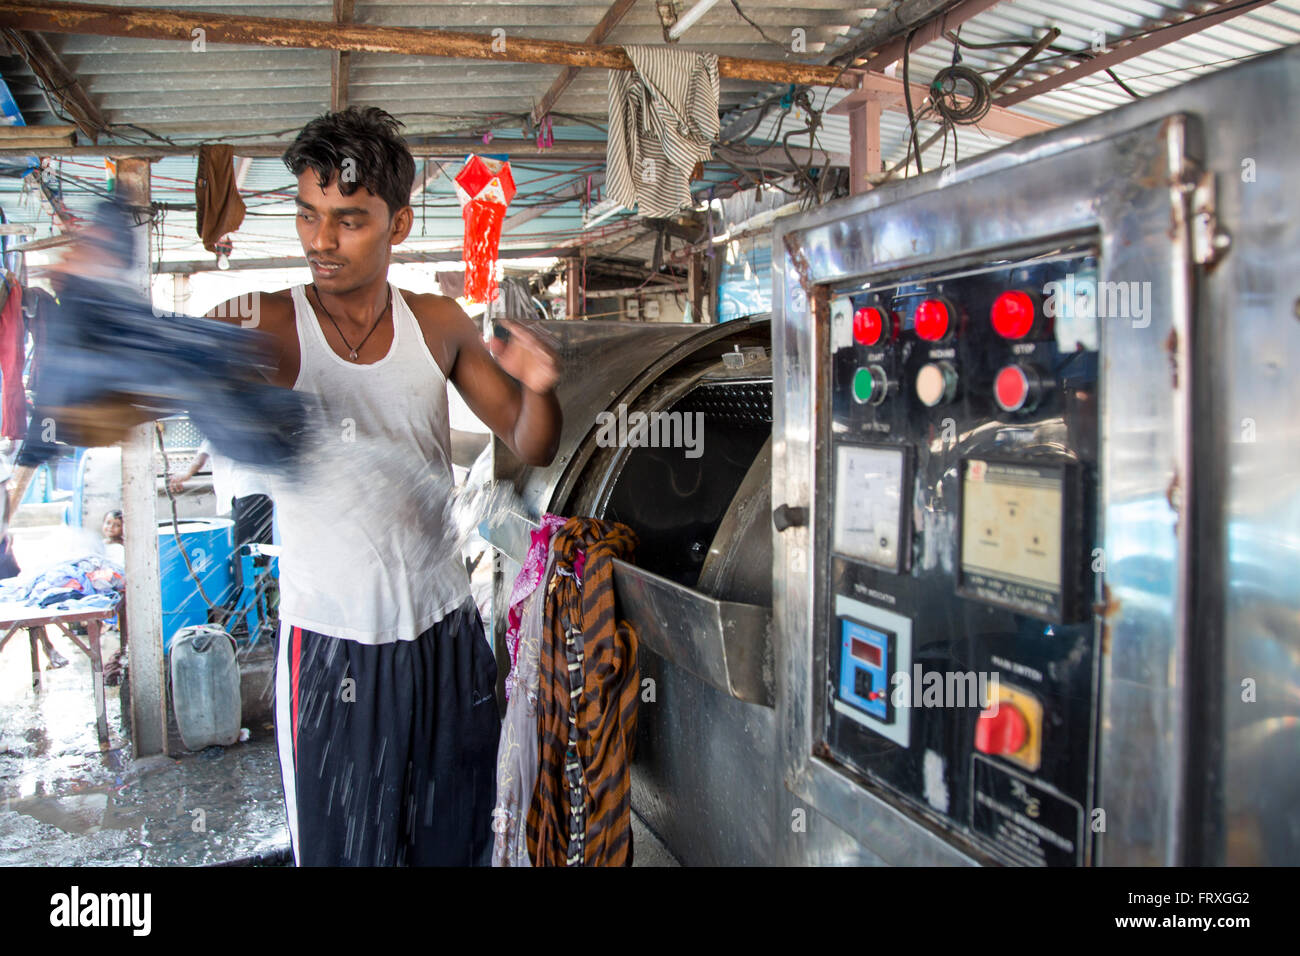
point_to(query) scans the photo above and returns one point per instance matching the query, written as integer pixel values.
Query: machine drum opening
(674, 496)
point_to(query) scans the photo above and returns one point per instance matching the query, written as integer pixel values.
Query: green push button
(862, 386)
(869, 385)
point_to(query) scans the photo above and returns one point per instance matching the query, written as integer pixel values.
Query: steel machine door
(985, 417)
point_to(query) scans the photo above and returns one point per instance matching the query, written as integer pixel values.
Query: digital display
(1011, 534)
(866, 657)
(868, 518)
(870, 653)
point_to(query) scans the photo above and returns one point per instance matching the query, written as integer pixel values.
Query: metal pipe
(690, 18)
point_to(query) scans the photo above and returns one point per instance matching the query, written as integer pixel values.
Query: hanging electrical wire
(907, 97)
(747, 19)
(943, 101)
(960, 95)
(1055, 48)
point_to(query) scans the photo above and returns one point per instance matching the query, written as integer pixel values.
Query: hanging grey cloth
(514, 302)
(452, 284)
(663, 120)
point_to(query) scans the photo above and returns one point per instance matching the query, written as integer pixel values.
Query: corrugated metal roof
(259, 93)
(168, 87)
(1261, 30)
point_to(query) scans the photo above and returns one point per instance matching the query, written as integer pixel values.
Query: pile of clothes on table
(90, 582)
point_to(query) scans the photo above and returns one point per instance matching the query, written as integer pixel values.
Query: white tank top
(369, 548)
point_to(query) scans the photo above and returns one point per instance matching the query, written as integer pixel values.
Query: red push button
(1016, 388)
(1003, 733)
(868, 325)
(1013, 314)
(933, 320)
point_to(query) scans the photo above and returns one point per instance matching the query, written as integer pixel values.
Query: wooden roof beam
(448, 151)
(604, 28)
(341, 61)
(894, 23)
(179, 25)
(59, 82)
(929, 31)
(452, 253)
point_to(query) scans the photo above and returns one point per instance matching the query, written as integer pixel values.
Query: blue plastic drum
(209, 542)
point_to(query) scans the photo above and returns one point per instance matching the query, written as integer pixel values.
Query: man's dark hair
(368, 138)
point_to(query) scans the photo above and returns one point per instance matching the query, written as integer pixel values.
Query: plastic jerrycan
(205, 686)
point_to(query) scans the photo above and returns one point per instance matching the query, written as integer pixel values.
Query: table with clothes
(80, 591)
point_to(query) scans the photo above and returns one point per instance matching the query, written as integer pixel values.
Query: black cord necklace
(352, 353)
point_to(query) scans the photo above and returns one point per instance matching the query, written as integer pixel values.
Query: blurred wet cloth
(105, 342)
(517, 748)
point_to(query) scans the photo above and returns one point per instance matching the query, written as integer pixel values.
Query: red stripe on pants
(295, 650)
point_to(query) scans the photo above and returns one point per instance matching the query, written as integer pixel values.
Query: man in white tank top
(385, 708)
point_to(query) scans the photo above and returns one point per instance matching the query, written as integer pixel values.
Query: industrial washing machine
(988, 551)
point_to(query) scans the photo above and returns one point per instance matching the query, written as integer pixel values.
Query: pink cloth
(526, 582)
(13, 335)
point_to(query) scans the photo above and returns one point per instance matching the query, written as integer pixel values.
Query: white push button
(936, 383)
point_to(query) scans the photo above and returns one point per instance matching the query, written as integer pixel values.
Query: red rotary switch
(1001, 732)
(1017, 388)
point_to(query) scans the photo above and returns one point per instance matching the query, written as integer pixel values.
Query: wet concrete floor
(64, 802)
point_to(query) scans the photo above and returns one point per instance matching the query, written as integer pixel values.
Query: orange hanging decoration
(485, 187)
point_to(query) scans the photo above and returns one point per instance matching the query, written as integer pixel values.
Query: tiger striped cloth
(581, 809)
(663, 120)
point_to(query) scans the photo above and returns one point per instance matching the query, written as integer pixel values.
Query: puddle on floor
(66, 802)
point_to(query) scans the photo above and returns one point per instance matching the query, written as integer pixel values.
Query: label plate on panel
(1023, 819)
(841, 323)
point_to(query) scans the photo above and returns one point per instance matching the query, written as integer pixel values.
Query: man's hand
(177, 484)
(510, 385)
(527, 358)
